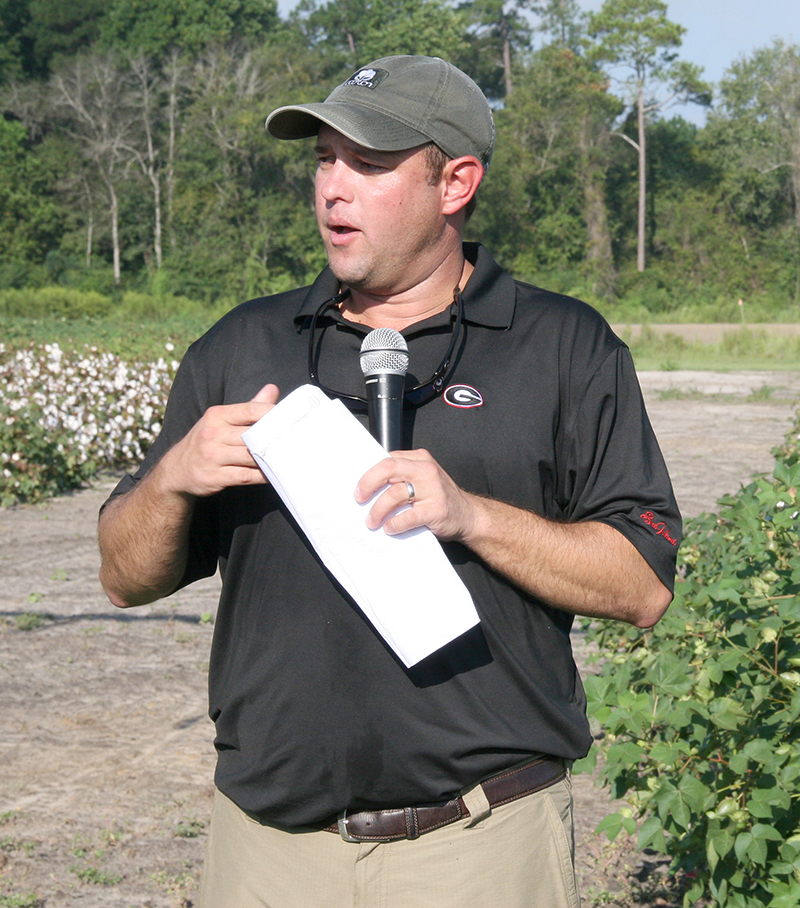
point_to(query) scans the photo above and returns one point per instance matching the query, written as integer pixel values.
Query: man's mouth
(341, 232)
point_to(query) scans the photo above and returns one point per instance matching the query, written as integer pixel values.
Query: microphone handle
(385, 408)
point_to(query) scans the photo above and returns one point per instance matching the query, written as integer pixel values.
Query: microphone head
(384, 350)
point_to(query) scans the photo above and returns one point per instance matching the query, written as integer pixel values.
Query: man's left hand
(439, 504)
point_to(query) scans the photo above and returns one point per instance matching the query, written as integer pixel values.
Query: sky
(717, 32)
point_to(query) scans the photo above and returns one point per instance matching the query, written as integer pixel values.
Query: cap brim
(370, 128)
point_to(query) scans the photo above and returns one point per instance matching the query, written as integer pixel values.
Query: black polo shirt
(313, 713)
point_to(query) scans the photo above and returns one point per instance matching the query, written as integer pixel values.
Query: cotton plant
(64, 415)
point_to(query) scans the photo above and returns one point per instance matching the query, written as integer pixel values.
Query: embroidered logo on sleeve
(659, 527)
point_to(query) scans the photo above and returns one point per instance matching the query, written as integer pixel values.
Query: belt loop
(477, 804)
(412, 822)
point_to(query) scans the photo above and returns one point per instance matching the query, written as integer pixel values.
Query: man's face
(381, 221)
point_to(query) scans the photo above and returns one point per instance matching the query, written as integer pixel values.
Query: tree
(60, 29)
(543, 207)
(14, 17)
(151, 27)
(356, 31)
(636, 35)
(29, 221)
(564, 22)
(92, 102)
(499, 30)
(757, 130)
(146, 87)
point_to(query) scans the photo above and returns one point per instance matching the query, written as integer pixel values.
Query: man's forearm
(584, 568)
(143, 538)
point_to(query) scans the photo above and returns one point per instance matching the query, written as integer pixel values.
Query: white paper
(314, 451)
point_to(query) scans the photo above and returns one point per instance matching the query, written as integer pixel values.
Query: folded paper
(314, 452)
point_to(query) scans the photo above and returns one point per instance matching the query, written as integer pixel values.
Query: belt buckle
(341, 822)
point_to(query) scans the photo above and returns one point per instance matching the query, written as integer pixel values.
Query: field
(107, 761)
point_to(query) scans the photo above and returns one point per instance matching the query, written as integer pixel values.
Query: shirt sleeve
(615, 470)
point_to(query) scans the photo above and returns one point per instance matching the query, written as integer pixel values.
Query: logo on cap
(463, 396)
(368, 78)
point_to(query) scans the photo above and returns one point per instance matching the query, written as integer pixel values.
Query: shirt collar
(489, 297)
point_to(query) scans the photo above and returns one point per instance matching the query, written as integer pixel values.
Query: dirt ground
(106, 757)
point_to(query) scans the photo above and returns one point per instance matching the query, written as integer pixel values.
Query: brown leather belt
(412, 822)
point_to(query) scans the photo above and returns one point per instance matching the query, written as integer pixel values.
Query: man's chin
(348, 276)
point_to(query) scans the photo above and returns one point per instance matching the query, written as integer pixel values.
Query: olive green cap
(396, 103)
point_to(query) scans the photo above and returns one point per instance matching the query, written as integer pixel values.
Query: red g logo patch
(463, 396)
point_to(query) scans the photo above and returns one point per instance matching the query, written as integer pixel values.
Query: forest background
(134, 165)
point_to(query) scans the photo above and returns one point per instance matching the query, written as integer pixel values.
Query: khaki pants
(519, 855)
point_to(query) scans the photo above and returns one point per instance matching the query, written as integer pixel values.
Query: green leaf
(762, 831)
(739, 763)
(627, 753)
(722, 840)
(698, 795)
(757, 851)
(614, 823)
(742, 844)
(762, 800)
(586, 764)
(759, 750)
(728, 714)
(651, 835)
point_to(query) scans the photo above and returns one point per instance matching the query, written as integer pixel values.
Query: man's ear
(461, 176)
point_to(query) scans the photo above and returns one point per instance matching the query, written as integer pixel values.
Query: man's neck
(399, 310)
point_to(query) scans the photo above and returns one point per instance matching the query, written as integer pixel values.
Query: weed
(680, 394)
(20, 900)
(29, 621)
(190, 829)
(178, 885)
(60, 574)
(9, 843)
(95, 876)
(764, 393)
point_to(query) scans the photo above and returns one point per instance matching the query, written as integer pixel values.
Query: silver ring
(411, 492)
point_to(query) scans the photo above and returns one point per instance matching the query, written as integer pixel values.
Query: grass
(746, 349)
(147, 339)
(142, 339)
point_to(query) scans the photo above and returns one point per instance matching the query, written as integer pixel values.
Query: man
(344, 778)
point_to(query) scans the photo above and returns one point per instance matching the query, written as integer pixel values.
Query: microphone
(384, 362)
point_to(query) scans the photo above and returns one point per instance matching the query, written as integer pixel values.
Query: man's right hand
(212, 456)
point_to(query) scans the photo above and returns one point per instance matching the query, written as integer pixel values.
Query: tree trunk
(795, 179)
(157, 246)
(505, 34)
(89, 239)
(642, 225)
(175, 72)
(599, 255)
(114, 215)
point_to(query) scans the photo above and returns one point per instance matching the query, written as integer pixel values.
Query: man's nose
(335, 182)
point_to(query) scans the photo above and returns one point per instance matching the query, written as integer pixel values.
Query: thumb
(269, 394)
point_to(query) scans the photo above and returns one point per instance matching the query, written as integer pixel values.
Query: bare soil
(106, 756)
